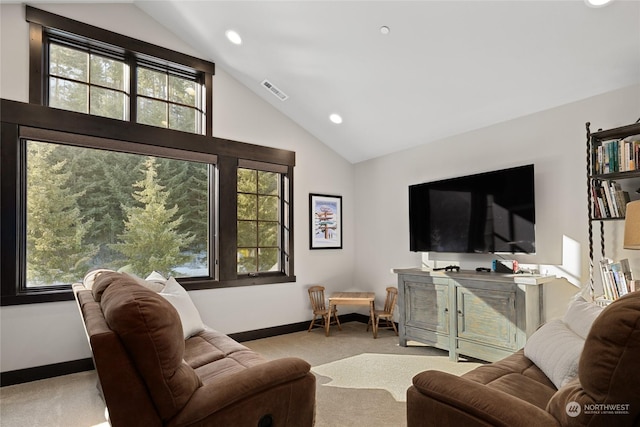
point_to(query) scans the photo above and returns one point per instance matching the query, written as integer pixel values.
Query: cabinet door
(487, 316)
(427, 306)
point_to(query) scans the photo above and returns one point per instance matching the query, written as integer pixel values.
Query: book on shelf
(618, 155)
(609, 199)
(617, 278)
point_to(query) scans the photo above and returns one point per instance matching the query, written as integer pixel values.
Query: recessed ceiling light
(385, 30)
(335, 118)
(233, 37)
(597, 3)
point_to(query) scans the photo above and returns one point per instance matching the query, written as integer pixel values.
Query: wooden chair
(316, 295)
(386, 313)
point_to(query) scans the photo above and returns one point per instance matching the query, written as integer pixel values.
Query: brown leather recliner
(515, 392)
(151, 376)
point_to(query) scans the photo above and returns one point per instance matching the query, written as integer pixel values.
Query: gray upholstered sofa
(151, 375)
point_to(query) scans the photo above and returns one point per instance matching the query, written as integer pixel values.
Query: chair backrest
(390, 301)
(316, 295)
(138, 346)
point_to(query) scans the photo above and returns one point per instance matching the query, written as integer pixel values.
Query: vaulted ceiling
(441, 69)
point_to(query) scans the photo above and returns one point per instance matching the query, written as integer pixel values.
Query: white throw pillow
(580, 316)
(156, 277)
(154, 286)
(556, 350)
(179, 298)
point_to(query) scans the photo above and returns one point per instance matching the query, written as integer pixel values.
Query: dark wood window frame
(44, 25)
(283, 206)
(85, 129)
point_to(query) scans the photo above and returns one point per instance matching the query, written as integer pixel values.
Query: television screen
(485, 213)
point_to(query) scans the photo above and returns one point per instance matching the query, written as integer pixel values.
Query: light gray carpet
(390, 372)
(361, 381)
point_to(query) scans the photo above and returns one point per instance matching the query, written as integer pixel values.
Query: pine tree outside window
(89, 208)
(83, 81)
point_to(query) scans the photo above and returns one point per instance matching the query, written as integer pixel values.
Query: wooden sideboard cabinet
(485, 316)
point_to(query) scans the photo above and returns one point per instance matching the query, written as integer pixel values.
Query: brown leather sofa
(150, 375)
(515, 392)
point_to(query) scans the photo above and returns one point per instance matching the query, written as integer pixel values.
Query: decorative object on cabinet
(325, 221)
(487, 316)
(613, 175)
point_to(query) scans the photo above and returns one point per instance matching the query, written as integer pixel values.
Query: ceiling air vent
(274, 90)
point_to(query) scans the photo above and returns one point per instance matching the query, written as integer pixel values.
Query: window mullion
(133, 85)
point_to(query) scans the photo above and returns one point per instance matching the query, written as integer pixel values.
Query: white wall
(553, 140)
(41, 334)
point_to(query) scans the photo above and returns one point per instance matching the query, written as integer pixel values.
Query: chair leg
(369, 323)
(394, 327)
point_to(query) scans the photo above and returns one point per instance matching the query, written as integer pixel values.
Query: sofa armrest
(468, 401)
(223, 392)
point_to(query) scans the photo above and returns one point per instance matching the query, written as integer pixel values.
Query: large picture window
(88, 208)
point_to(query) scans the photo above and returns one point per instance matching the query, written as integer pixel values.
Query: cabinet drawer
(487, 316)
(427, 306)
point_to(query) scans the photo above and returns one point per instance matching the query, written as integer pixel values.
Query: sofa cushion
(150, 330)
(92, 275)
(517, 362)
(517, 376)
(211, 345)
(610, 362)
(555, 349)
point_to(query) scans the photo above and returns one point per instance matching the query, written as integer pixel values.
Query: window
(93, 71)
(169, 101)
(88, 208)
(86, 82)
(82, 79)
(82, 190)
(262, 227)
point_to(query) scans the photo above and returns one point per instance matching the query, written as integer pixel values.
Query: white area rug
(389, 372)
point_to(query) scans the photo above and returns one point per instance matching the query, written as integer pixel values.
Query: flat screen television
(491, 212)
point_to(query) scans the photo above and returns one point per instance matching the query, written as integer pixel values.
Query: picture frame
(325, 221)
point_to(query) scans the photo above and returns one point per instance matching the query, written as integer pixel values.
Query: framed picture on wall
(325, 221)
